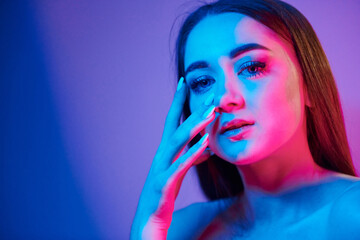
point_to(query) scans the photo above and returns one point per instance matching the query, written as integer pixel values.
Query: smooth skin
(289, 195)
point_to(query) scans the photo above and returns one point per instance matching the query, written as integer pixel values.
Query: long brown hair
(325, 123)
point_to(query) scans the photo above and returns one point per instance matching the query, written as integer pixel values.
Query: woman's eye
(201, 84)
(252, 69)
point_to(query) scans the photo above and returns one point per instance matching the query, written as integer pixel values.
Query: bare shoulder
(189, 221)
(344, 217)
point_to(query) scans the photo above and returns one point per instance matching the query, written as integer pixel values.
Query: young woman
(265, 128)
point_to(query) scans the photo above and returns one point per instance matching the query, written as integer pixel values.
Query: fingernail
(209, 99)
(180, 84)
(209, 112)
(204, 138)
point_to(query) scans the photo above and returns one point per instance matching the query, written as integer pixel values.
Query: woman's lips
(239, 133)
(234, 124)
(237, 129)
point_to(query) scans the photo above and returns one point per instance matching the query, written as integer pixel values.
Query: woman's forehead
(218, 35)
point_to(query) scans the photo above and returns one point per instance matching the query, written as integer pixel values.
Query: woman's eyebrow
(196, 65)
(233, 54)
(245, 48)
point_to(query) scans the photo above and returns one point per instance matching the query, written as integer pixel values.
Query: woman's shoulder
(189, 221)
(344, 217)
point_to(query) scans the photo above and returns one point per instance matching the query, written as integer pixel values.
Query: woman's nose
(229, 102)
(229, 97)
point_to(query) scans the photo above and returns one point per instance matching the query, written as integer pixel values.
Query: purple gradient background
(86, 88)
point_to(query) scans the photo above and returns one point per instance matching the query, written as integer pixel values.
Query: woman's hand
(168, 169)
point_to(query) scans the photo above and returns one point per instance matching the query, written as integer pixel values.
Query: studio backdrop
(85, 87)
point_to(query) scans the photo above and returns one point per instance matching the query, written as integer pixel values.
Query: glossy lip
(234, 124)
(241, 135)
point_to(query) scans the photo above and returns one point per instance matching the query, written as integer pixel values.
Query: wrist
(154, 231)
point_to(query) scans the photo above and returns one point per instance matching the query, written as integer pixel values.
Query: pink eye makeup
(252, 69)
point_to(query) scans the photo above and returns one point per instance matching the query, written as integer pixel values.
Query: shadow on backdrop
(39, 197)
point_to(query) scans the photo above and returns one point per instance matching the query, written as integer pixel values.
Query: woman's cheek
(287, 91)
(281, 115)
(195, 101)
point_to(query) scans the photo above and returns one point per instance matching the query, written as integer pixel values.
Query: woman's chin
(235, 152)
(239, 158)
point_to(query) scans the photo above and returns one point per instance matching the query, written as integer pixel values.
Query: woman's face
(256, 81)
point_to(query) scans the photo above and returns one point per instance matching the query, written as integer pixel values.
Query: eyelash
(197, 85)
(200, 84)
(249, 65)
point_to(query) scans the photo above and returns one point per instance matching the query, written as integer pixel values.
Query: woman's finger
(169, 181)
(205, 155)
(173, 117)
(189, 129)
(171, 149)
